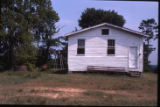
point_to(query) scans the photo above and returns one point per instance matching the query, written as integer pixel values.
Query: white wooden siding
(96, 49)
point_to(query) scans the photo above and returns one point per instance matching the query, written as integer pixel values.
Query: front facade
(105, 45)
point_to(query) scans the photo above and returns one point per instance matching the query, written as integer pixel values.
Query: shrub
(26, 55)
(20, 68)
(50, 64)
(30, 66)
(147, 68)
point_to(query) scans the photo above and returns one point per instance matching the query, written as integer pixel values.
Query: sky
(133, 12)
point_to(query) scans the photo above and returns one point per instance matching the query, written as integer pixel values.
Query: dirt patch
(48, 92)
(131, 95)
(48, 95)
(54, 93)
(73, 90)
(72, 94)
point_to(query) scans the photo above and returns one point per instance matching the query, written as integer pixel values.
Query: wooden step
(104, 68)
(135, 73)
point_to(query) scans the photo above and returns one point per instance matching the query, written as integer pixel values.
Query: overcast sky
(70, 11)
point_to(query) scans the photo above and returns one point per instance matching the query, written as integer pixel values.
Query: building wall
(96, 49)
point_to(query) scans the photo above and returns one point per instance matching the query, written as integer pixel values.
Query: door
(133, 57)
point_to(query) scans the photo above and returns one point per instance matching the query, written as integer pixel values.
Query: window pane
(111, 43)
(111, 51)
(111, 46)
(81, 42)
(81, 46)
(105, 31)
(80, 51)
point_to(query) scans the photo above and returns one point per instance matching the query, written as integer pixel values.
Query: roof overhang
(109, 25)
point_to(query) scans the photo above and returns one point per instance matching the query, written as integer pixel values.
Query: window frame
(80, 47)
(103, 31)
(111, 47)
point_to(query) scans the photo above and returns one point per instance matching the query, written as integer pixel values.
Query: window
(105, 31)
(111, 47)
(81, 46)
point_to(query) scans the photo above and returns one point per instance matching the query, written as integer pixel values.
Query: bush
(44, 67)
(20, 68)
(30, 66)
(26, 55)
(50, 64)
(147, 68)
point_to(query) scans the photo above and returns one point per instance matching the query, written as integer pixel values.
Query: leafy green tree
(150, 28)
(9, 26)
(22, 23)
(91, 17)
(45, 30)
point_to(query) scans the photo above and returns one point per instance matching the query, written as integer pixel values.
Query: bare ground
(69, 92)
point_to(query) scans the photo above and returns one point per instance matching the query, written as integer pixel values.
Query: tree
(150, 28)
(10, 30)
(45, 30)
(91, 17)
(17, 21)
(20, 21)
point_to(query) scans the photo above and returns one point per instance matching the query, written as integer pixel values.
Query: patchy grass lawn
(77, 89)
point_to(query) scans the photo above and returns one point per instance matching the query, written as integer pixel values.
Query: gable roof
(110, 25)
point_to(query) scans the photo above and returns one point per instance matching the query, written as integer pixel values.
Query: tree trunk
(11, 53)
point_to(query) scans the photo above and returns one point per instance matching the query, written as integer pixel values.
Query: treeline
(27, 33)
(27, 29)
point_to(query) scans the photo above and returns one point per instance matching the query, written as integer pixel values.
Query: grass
(48, 88)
